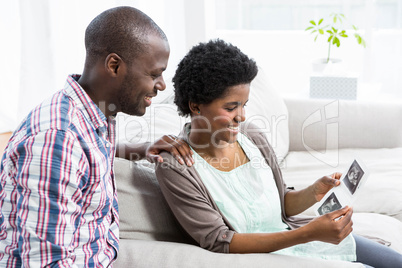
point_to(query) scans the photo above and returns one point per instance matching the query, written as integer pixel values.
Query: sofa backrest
(267, 109)
(322, 124)
(143, 211)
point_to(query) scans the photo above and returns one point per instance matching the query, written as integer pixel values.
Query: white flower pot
(332, 67)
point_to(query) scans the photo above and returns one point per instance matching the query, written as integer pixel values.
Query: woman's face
(220, 119)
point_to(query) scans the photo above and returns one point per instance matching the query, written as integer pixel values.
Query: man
(58, 194)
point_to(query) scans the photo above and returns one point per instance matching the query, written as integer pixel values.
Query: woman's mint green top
(247, 196)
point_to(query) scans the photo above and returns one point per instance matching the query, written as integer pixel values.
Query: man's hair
(121, 30)
(206, 72)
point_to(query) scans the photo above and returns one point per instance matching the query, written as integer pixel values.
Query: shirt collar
(84, 102)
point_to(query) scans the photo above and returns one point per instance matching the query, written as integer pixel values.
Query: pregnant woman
(233, 199)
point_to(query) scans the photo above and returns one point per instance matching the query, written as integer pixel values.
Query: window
(273, 32)
(274, 15)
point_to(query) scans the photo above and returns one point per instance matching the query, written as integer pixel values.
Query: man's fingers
(177, 155)
(177, 147)
(172, 137)
(182, 150)
(154, 158)
(185, 151)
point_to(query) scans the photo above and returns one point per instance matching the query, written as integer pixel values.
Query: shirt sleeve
(51, 173)
(191, 205)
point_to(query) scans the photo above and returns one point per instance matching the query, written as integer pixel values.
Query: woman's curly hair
(207, 70)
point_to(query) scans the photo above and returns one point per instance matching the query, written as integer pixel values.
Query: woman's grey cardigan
(194, 207)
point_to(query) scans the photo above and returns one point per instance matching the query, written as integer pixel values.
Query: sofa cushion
(152, 254)
(144, 213)
(267, 109)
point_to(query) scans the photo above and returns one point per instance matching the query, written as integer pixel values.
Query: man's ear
(114, 64)
(194, 107)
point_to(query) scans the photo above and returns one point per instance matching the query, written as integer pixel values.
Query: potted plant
(334, 33)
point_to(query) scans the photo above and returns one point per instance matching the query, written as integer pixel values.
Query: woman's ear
(194, 107)
(113, 64)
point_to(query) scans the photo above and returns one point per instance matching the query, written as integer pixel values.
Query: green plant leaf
(360, 40)
(321, 20)
(340, 17)
(334, 32)
(336, 41)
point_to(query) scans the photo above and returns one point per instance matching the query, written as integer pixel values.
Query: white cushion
(380, 228)
(267, 109)
(158, 120)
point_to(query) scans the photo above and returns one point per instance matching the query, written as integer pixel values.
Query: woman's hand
(332, 227)
(323, 185)
(298, 201)
(177, 147)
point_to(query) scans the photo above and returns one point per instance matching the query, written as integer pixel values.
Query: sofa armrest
(335, 124)
(138, 253)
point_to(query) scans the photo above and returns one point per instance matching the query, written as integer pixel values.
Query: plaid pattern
(57, 195)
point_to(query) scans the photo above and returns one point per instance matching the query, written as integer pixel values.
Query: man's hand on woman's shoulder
(176, 146)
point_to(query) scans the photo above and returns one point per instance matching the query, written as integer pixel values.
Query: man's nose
(160, 84)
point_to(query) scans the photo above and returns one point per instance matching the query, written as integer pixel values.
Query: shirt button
(224, 236)
(107, 145)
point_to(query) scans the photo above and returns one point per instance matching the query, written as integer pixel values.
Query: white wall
(43, 42)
